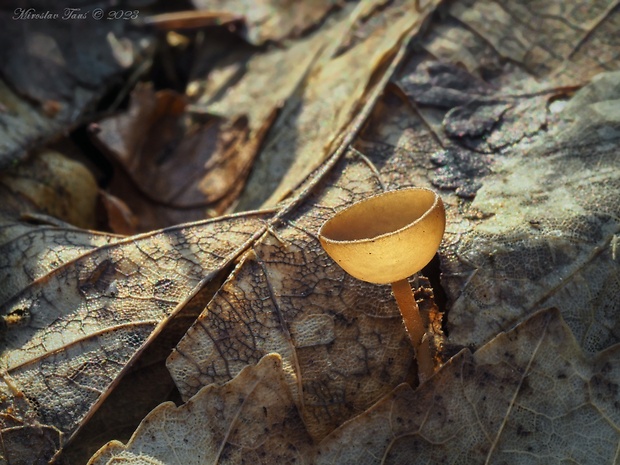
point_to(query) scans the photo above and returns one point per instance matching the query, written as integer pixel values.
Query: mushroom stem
(410, 312)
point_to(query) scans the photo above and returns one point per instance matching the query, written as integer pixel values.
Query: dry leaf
(528, 396)
(29, 252)
(54, 185)
(71, 333)
(320, 111)
(119, 216)
(341, 340)
(183, 170)
(541, 229)
(251, 419)
(571, 42)
(54, 71)
(250, 82)
(548, 239)
(521, 139)
(272, 19)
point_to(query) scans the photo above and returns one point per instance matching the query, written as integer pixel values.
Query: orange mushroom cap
(387, 237)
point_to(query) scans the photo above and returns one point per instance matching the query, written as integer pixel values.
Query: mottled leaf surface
(548, 239)
(29, 252)
(489, 107)
(570, 41)
(70, 334)
(341, 341)
(529, 396)
(250, 419)
(528, 173)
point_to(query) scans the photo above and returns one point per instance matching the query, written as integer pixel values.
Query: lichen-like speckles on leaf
(474, 119)
(489, 125)
(551, 219)
(461, 170)
(443, 85)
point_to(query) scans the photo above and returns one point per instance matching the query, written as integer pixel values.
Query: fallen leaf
(528, 396)
(569, 43)
(56, 186)
(182, 170)
(272, 19)
(532, 220)
(249, 82)
(29, 252)
(71, 333)
(324, 107)
(490, 407)
(547, 241)
(119, 216)
(54, 72)
(252, 418)
(341, 340)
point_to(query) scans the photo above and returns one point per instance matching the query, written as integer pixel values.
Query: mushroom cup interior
(387, 237)
(381, 214)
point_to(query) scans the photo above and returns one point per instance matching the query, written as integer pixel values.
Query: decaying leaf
(70, 334)
(532, 219)
(341, 340)
(172, 169)
(29, 252)
(337, 86)
(272, 19)
(53, 184)
(528, 396)
(253, 83)
(570, 42)
(486, 114)
(40, 198)
(54, 71)
(552, 218)
(251, 419)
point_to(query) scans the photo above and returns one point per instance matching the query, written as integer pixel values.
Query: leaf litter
(567, 259)
(173, 169)
(528, 396)
(51, 80)
(61, 361)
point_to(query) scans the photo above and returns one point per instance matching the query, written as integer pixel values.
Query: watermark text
(72, 14)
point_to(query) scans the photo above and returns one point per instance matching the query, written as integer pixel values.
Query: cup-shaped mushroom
(387, 237)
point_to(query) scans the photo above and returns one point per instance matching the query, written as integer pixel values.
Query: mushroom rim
(368, 240)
